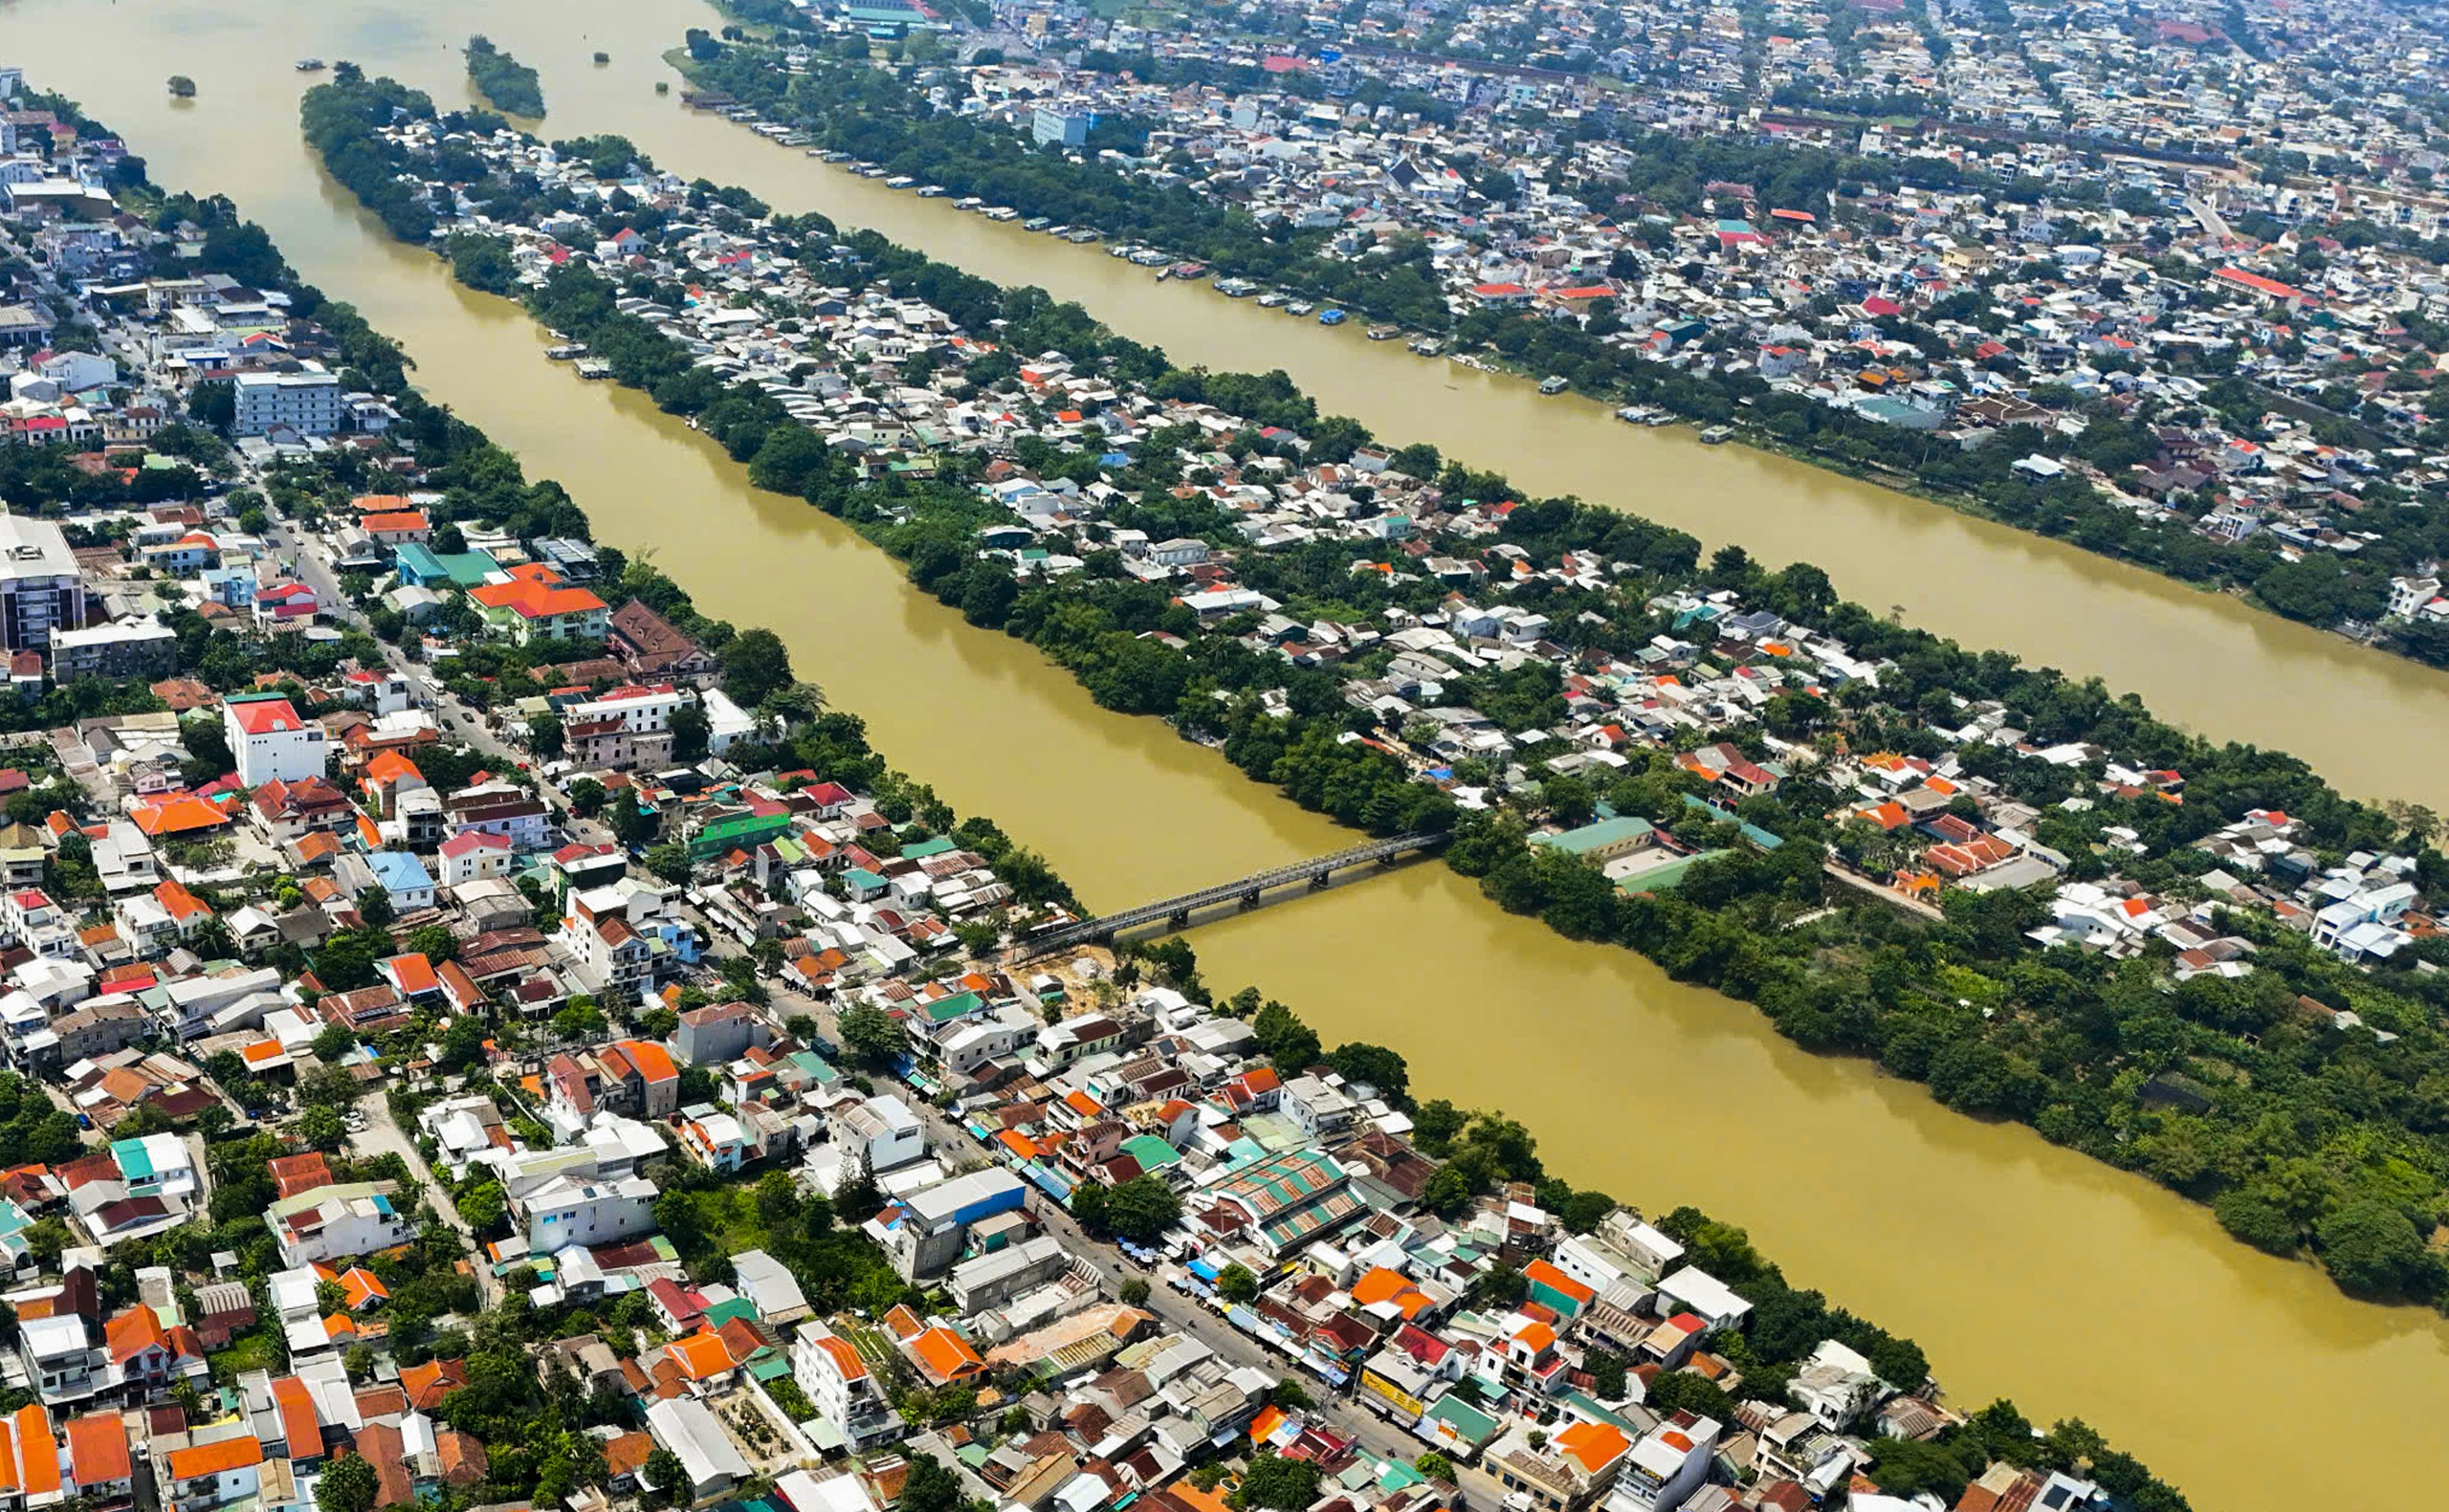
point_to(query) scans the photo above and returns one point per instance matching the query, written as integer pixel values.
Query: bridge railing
(1104, 927)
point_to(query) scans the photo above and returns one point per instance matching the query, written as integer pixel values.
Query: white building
(272, 742)
(1323, 1111)
(474, 855)
(1665, 1467)
(569, 1210)
(882, 1129)
(727, 724)
(307, 401)
(688, 1429)
(39, 589)
(640, 709)
(60, 1361)
(839, 1386)
(1701, 1293)
(340, 1222)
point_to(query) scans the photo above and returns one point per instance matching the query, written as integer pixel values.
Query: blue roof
(399, 871)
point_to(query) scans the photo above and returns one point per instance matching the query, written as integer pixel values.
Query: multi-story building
(718, 1034)
(197, 1477)
(567, 1210)
(1052, 126)
(61, 1363)
(1666, 1466)
(626, 729)
(924, 1231)
(147, 1359)
(536, 605)
(840, 1386)
(307, 401)
(135, 647)
(40, 591)
(631, 1077)
(272, 742)
(102, 1473)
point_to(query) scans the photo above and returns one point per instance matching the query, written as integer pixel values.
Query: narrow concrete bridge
(1249, 893)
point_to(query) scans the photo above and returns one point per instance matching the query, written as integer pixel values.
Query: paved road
(2209, 216)
(384, 1135)
(464, 722)
(1183, 1313)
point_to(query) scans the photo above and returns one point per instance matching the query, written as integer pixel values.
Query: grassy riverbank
(2289, 1145)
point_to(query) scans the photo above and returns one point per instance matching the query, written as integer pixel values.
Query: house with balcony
(145, 1360)
(100, 1471)
(717, 1141)
(839, 1385)
(272, 742)
(569, 1209)
(536, 604)
(635, 1078)
(340, 1221)
(201, 1477)
(62, 1367)
(1666, 1466)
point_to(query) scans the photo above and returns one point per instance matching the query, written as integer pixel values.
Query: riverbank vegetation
(510, 84)
(2304, 1135)
(878, 115)
(541, 1434)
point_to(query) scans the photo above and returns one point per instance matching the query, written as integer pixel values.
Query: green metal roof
(1597, 836)
(133, 1162)
(1469, 1424)
(960, 1005)
(1661, 879)
(1152, 1153)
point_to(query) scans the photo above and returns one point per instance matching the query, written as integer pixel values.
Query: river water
(2024, 1269)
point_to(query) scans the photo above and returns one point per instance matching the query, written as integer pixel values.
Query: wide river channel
(2024, 1269)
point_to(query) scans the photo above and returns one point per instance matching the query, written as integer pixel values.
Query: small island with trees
(506, 83)
(182, 87)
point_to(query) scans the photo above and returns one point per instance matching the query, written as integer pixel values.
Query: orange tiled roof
(178, 814)
(97, 1449)
(214, 1459)
(945, 1356)
(1596, 1445)
(704, 1355)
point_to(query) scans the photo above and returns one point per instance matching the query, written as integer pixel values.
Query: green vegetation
(708, 1220)
(881, 116)
(2287, 1125)
(510, 84)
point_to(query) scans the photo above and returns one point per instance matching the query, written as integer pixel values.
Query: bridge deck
(1106, 926)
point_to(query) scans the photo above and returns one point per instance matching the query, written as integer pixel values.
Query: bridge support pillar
(1180, 919)
(1250, 900)
(1318, 881)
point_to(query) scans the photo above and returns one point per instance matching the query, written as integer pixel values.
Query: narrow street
(460, 721)
(1178, 1311)
(382, 1134)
